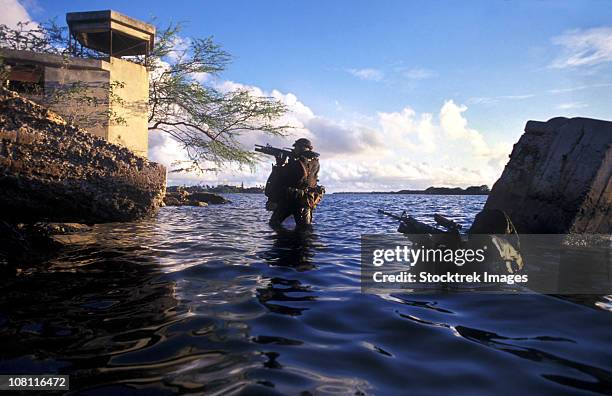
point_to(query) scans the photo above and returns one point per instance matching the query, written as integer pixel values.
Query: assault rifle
(506, 251)
(446, 222)
(410, 225)
(282, 153)
(424, 234)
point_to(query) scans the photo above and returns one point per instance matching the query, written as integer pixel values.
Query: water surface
(211, 300)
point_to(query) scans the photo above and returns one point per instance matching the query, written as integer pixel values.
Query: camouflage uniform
(298, 191)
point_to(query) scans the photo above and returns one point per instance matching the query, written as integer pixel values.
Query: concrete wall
(89, 108)
(135, 96)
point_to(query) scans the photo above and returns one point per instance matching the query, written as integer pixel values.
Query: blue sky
(470, 74)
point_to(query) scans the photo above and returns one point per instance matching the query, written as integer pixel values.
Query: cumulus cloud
(367, 74)
(404, 129)
(13, 12)
(394, 150)
(584, 47)
(336, 139)
(455, 127)
(400, 173)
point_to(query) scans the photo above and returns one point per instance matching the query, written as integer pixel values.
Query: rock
(472, 190)
(558, 178)
(208, 198)
(492, 221)
(477, 190)
(62, 228)
(24, 245)
(181, 197)
(171, 200)
(54, 172)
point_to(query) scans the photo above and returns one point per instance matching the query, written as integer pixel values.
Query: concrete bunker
(98, 41)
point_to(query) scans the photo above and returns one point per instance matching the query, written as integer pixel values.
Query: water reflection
(594, 379)
(292, 249)
(92, 313)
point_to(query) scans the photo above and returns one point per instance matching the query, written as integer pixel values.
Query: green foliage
(186, 103)
(185, 98)
(49, 38)
(74, 97)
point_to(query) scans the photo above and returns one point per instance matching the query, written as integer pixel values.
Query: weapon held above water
(410, 225)
(279, 152)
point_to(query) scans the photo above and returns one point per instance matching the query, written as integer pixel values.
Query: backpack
(275, 190)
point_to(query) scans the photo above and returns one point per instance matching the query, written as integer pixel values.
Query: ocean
(212, 300)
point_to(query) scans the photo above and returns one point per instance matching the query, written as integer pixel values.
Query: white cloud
(487, 100)
(404, 130)
(401, 173)
(13, 12)
(367, 74)
(418, 73)
(584, 47)
(572, 105)
(579, 88)
(455, 127)
(392, 151)
(517, 97)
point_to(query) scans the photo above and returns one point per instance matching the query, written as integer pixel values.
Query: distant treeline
(472, 190)
(219, 189)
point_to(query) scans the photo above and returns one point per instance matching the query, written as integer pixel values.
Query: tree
(184, 100)
(51, 38)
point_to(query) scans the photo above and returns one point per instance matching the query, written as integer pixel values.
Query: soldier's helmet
(303, 144)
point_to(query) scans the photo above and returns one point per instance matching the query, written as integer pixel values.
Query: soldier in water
(292, 186)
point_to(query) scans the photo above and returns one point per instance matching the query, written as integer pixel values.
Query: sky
(393, 94)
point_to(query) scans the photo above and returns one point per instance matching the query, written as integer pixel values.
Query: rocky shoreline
(53, 172)
(192, 196)
(559, 178)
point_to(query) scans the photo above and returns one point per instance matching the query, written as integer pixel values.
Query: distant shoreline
(472, 190)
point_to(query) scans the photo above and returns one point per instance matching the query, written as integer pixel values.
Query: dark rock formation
(209, 198)
(472, 190)
(190, 196)
(477, 190)
(558, 178)
(24, 245)
(51, 171)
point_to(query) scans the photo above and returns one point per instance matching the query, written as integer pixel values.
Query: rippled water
(211, 300)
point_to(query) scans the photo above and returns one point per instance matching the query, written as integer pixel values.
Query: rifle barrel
(446, 222)
(394, 216)
(271, 150)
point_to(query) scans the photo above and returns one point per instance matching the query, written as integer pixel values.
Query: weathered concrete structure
(52, 171)
(111, 32)
(114, 93)
(558, 178)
